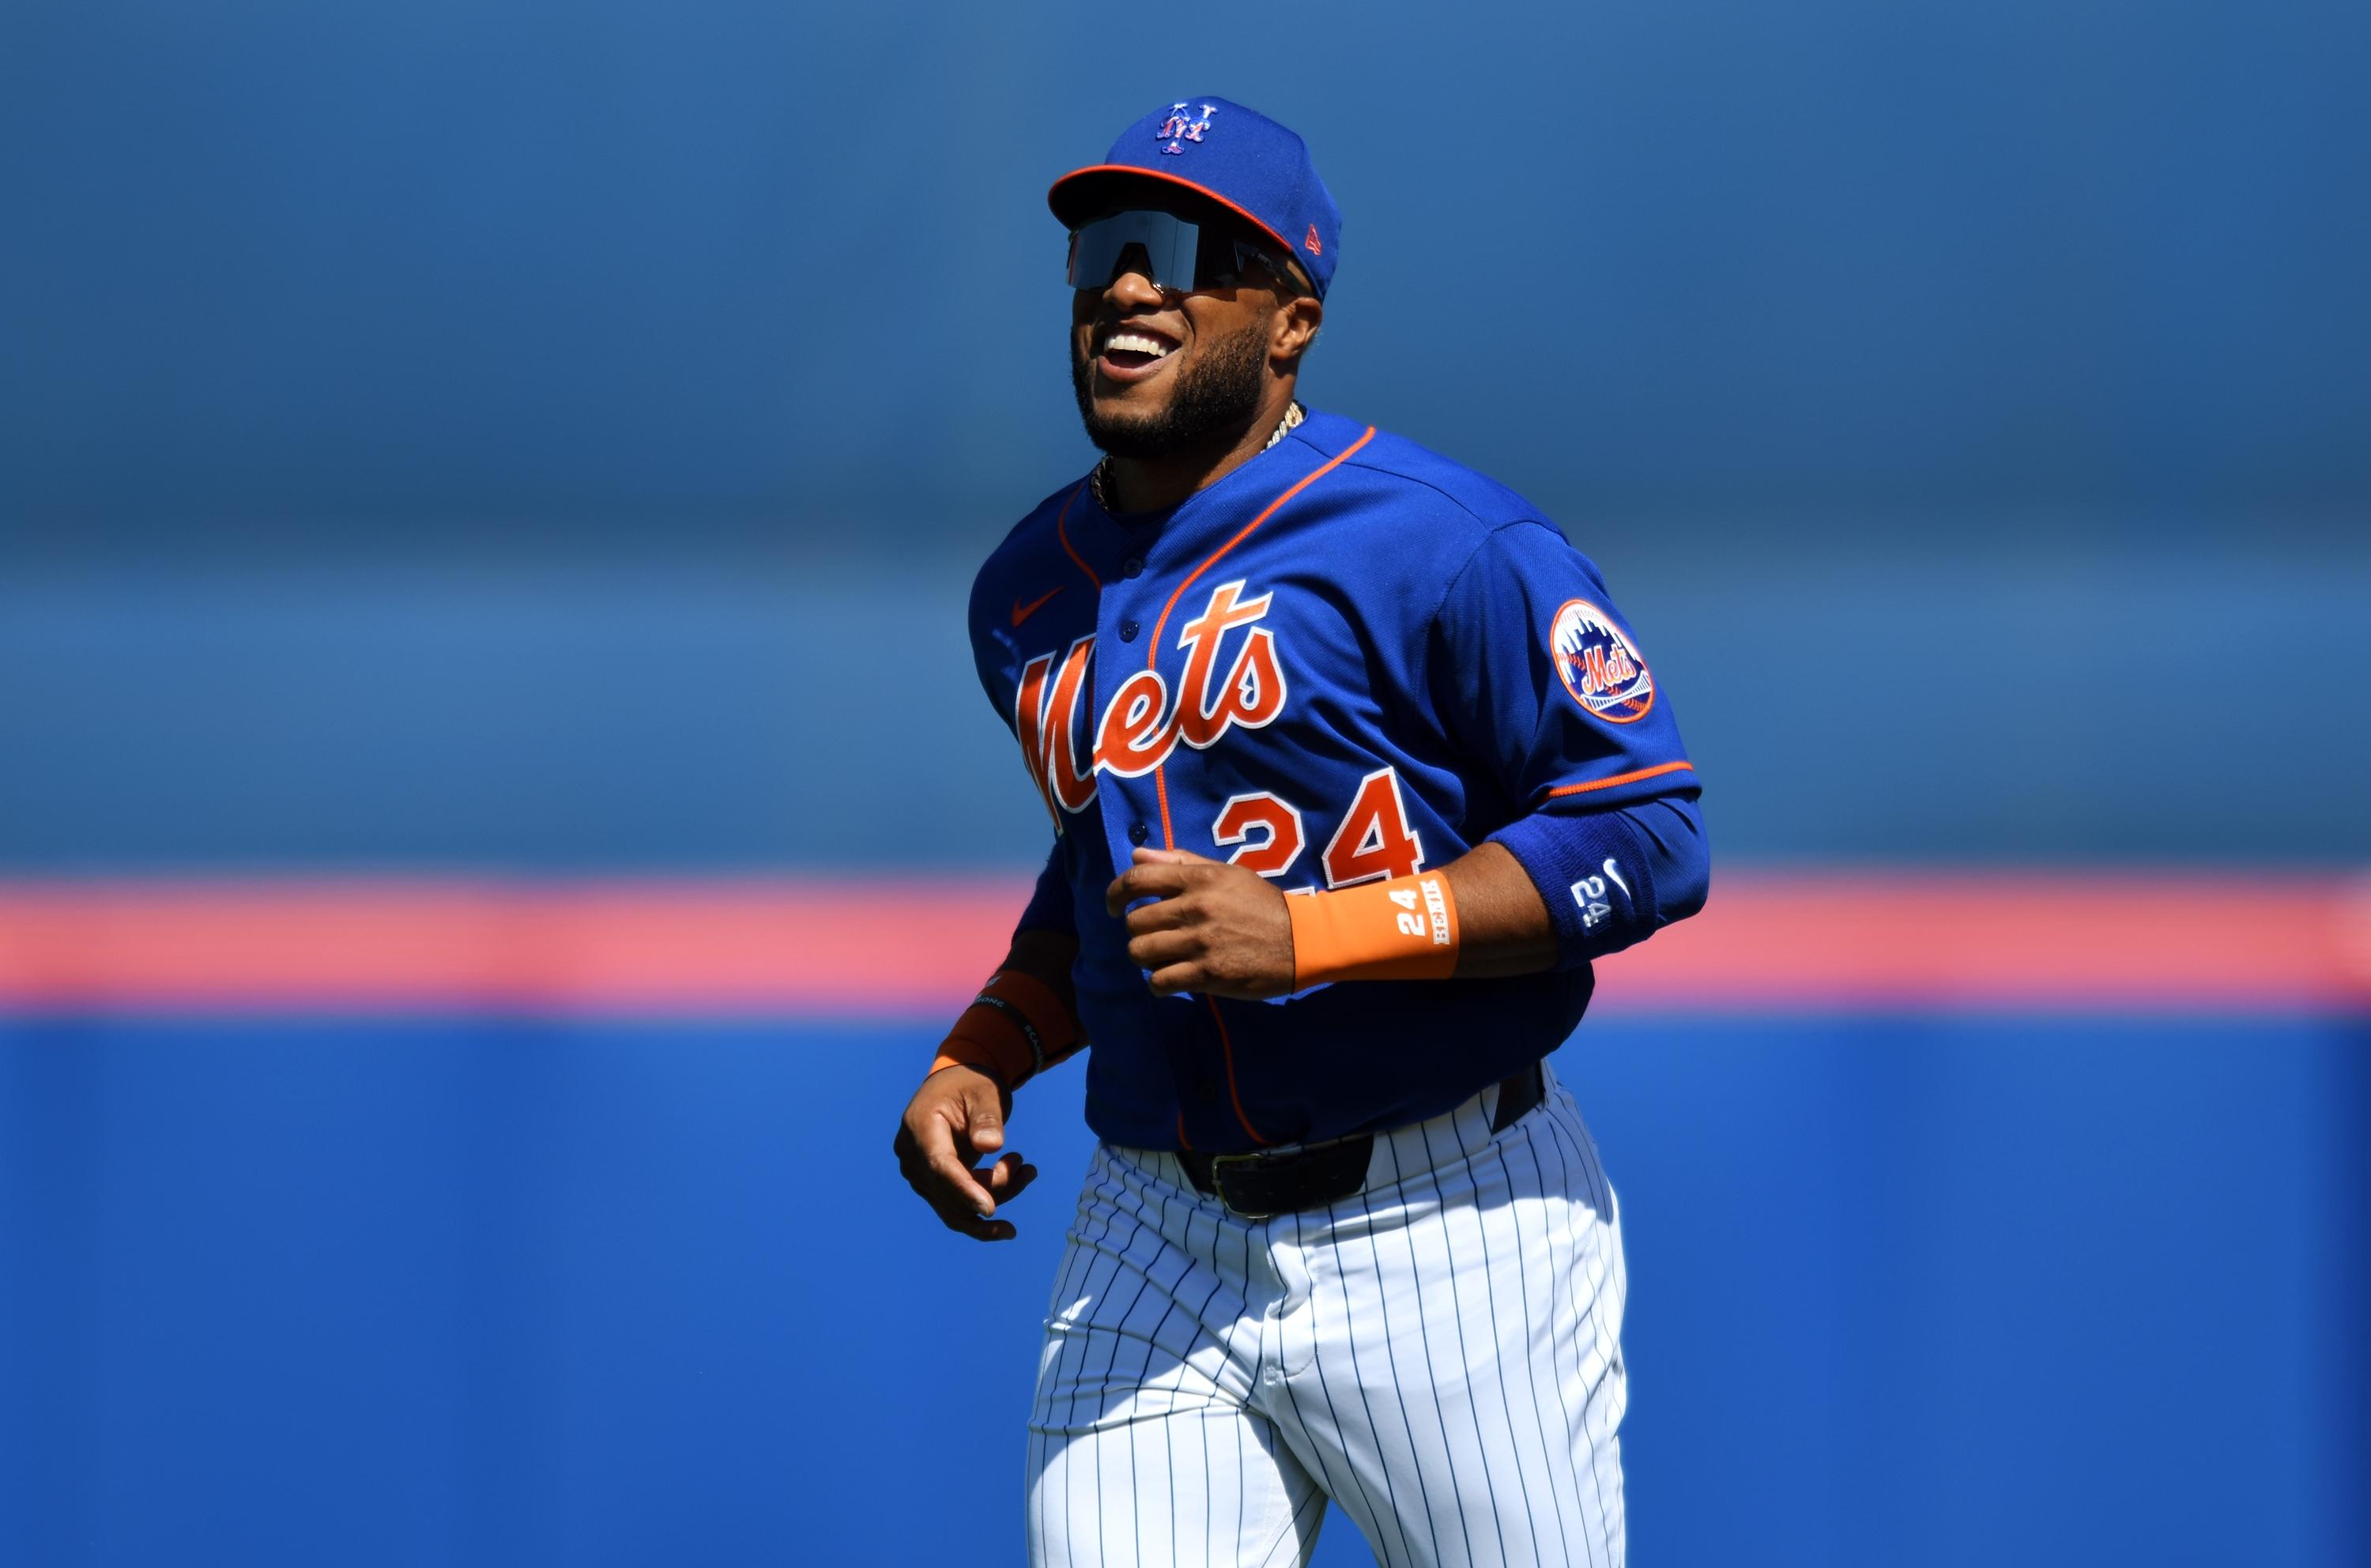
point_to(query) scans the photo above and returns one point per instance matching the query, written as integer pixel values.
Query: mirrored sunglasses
(1178, 256)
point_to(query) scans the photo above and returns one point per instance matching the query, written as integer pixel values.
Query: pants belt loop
(1518, 1095)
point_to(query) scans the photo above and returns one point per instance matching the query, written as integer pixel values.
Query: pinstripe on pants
(1440, 1354)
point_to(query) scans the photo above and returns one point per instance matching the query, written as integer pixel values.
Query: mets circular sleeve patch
(1599, 666)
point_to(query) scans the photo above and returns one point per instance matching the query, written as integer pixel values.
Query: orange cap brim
(1054, 195)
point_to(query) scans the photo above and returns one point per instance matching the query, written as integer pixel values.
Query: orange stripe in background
(1771, 940)
(874, 946)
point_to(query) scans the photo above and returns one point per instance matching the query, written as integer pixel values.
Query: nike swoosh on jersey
(1021, 612)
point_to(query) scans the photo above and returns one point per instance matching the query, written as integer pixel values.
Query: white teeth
(1136, 343)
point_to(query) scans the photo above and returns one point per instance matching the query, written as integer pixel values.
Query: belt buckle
(1255, 1157)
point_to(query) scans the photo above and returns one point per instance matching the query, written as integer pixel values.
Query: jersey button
(1128, 630)
(1138, 832)
(1131, 567)
(1206, 1088)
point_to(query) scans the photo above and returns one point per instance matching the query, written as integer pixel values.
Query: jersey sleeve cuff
(1591, 875)
(960, 1053)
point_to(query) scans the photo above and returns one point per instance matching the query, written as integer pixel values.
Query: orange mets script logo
(1141, 724)
(1601, 667)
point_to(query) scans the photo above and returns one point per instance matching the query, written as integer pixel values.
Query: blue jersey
(1348, 659)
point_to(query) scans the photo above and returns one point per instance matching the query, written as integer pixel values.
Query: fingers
(949, 1180)
(1195, 977)
(1145, 880)
(1172, 857)
(1168, 914)
(1158, 950)
(1209, 927)
(1156, 874)
(983, 1109)
(965, 1199)
(957, 1117)
(1008, 1178)
(980, 1228)
(1178, 978)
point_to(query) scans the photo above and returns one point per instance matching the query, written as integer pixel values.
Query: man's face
(1161, 374)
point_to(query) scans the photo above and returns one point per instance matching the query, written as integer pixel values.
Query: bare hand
(1217, 930)
(956, 1117)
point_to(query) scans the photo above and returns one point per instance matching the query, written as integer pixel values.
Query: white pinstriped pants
(1441, 1355)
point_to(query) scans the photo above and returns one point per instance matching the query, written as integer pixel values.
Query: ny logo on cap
(1177, 130)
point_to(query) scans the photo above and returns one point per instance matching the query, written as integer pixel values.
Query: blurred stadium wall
(526, 434)
(487, 493)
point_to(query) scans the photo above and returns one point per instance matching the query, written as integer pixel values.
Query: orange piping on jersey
(1183, 1141)
(1153, 653)
(1161, 793)
(1062, 532)
(1226, 1040)
(1152, 649)
(1659, 767)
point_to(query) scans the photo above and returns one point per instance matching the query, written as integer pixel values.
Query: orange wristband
(1014, 1028)
(1402, 929)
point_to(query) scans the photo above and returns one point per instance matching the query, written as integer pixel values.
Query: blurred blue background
(525, 438)
(457, 1291)
(523, 432)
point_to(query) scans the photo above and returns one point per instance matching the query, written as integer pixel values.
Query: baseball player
(1353, 767)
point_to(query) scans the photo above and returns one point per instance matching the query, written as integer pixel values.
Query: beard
(1213, 404)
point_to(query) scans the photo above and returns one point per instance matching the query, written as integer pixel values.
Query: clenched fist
(1216, 928)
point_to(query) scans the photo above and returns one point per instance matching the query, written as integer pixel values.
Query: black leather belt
(1256, 1186)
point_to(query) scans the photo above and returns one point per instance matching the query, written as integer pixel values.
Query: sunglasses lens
(1161, 246)
(1225, 262)
(1177, 255)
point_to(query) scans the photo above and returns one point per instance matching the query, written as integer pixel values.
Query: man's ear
(1297, 324)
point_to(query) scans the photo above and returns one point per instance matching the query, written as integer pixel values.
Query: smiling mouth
(1128, 355)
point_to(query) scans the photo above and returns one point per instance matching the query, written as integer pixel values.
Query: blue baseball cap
(1233, 156)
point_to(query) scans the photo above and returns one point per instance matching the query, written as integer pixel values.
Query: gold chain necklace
(1293, 415)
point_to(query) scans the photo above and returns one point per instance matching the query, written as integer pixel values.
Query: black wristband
(1028, 1030)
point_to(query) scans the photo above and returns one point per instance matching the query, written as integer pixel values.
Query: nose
(1133, 288)
(1131, 285)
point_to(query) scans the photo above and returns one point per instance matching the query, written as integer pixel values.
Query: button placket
(1129, 818)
